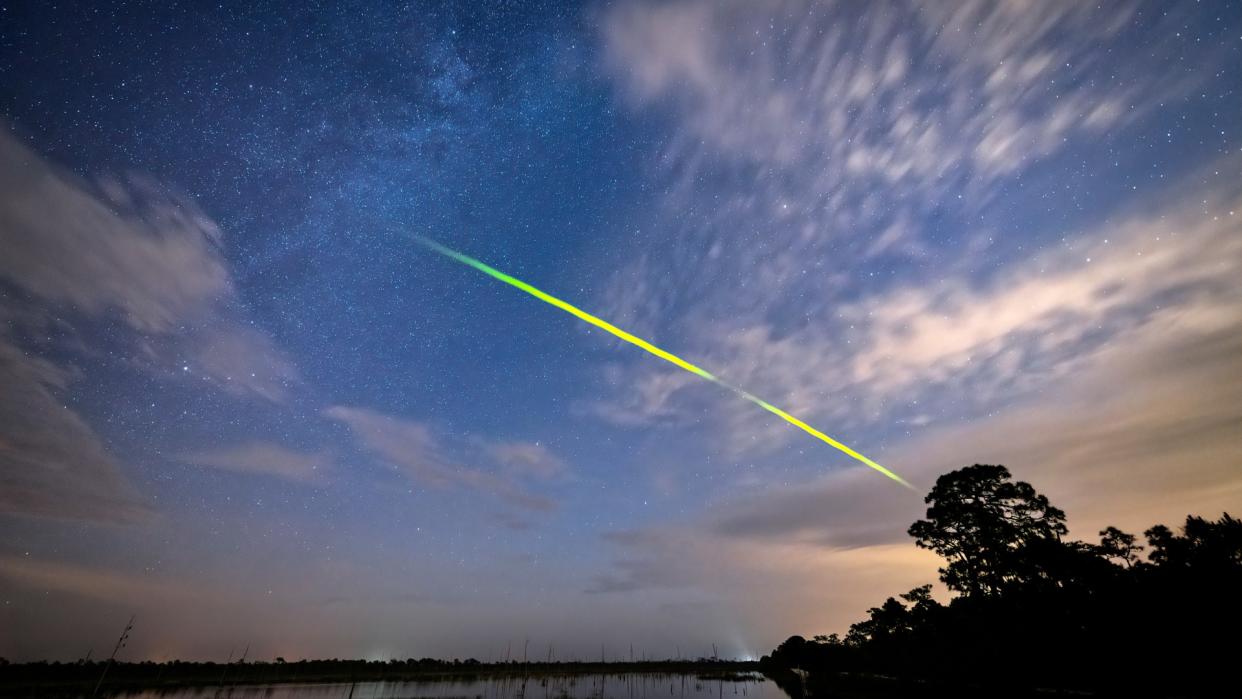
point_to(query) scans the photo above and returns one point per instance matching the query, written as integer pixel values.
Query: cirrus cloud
(123, 270)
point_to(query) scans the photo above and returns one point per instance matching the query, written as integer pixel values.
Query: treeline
(1034, 610)
(77, 678)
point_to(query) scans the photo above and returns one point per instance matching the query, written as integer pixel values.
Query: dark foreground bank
(44, 679)
(1035, 612)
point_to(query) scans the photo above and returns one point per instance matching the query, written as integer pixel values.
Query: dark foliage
(1033, 610)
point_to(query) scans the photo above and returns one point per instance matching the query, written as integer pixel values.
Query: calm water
(625, 686)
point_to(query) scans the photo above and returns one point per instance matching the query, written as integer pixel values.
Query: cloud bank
(127, 262)
(839, 179)
(430, 460)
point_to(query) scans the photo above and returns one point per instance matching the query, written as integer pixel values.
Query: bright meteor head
(662, 354)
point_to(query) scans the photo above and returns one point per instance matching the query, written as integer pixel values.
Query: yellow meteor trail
(662, 354)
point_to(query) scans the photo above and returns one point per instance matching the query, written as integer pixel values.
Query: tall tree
(1118, 545)
(979, 520)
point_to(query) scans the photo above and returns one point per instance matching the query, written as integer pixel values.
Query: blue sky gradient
(241, 402)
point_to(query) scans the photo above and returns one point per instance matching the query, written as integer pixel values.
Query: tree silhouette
(1119, 546)
(979, 520)
(1033, 609)
(893, 619)
(1204, 545)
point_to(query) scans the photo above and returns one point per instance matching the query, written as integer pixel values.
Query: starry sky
(238, 400)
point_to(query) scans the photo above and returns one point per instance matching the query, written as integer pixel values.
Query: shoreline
(78, 679)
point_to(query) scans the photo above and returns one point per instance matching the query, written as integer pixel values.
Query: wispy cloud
(833, 174)
(984, 343)
(109, 268)
(528, 459)
(812, 141)
(265, 458)
(128, 249)
(771, 588)
(648, 559)
(1142, 430)
(137, 254)
(837, 88)
(895, 355)
(94, 583)
(52, 464)
(429, 460)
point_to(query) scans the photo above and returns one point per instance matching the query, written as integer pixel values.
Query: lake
(617, 686)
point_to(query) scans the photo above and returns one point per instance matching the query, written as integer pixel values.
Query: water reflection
(621, 686)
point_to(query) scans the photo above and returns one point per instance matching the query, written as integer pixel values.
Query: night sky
(239, 400)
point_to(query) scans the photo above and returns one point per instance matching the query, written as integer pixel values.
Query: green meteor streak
(662, 354)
